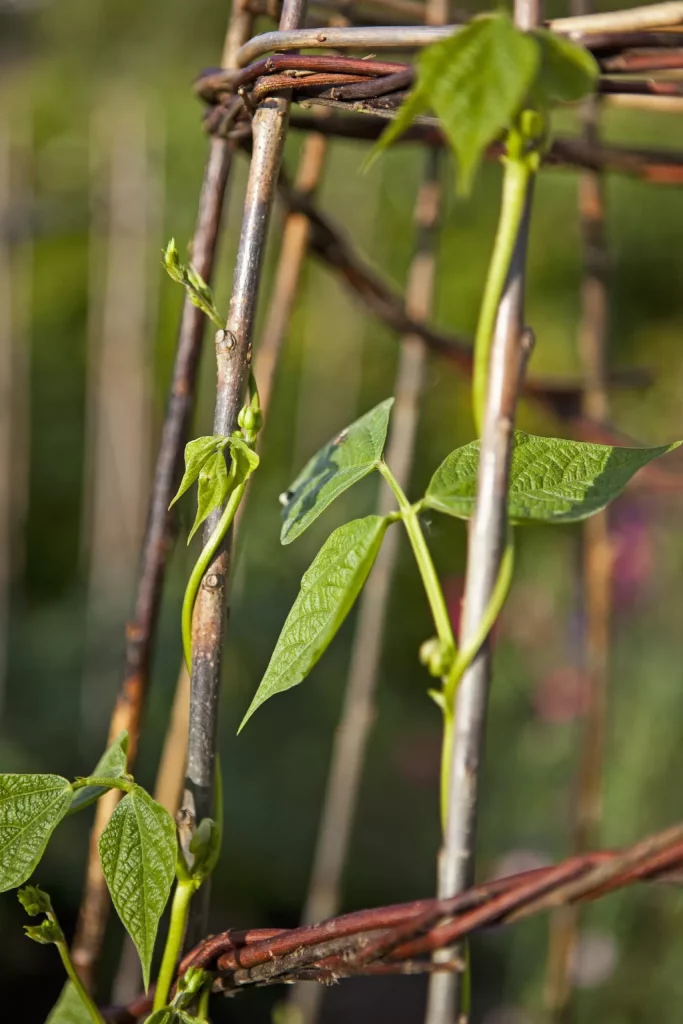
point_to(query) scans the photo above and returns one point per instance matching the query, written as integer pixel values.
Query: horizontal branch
(406, 931)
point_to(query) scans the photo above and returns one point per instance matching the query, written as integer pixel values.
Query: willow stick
(488, 534)
(233, 355)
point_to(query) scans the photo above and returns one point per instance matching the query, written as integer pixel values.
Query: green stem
(174, 941)
(493, 609)
(462, 661)
(63, 951)
(203, 1006)
(515, 181)
(203, 562)
(109, 783)
(430, 580)
(446, 755)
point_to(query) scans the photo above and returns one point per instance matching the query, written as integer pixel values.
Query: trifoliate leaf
(476, 82)
(349, 457)
(34, 900)
(567, 72)
(197, 454)
(31, 807)
(245, 458)
(552, 480)
(45, 933)
(212, 490)
(328, 590)
(138, 853)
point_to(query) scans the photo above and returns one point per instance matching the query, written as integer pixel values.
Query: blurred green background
(99, 133)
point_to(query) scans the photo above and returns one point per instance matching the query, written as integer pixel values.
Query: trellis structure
(249, 101)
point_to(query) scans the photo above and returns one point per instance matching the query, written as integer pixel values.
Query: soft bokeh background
(101, 155)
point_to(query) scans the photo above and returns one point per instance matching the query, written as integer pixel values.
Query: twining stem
(203, 562)
(461, 663)
(108, 783)
(203, 1004)
(493, 610)
(63, 951)
(518, 173)
(180, 909)
(424, 561)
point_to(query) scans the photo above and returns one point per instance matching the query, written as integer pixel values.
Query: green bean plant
(552, 480)
(488, 83)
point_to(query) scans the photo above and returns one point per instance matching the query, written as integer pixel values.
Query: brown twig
(428, 923)
(127, 713)
(400, 933)
(233, 353)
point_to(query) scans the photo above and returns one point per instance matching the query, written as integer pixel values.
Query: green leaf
(31, 807)
(245, 458)
(349, 457)
(567, 71)
(212, 490)
(112, 765)
(138, 853)
(328, 590)
(197, 290)
(197, 454)
(69, 1008)
(476, 82)
(34, 900)
(552, 480)
(46, 933)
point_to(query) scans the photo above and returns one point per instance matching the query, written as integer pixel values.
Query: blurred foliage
(62, 59)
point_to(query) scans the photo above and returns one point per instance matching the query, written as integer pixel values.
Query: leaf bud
(436, 657)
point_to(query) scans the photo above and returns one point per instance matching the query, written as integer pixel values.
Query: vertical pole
(130, 702)
(486, 542)
(119, 411)
(16, 276)
(119, 405)
(233, 355)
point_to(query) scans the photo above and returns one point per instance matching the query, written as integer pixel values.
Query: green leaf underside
(567, 71)
(475, 81)
(138, 852)
(212, 489)
(31, 807)
(552, 480)
(342, 462)
(69, 1008)
(112, 765)
(197, 454)
(329, 588)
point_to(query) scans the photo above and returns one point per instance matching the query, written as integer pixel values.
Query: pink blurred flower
(632, 553)
(562, 695)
